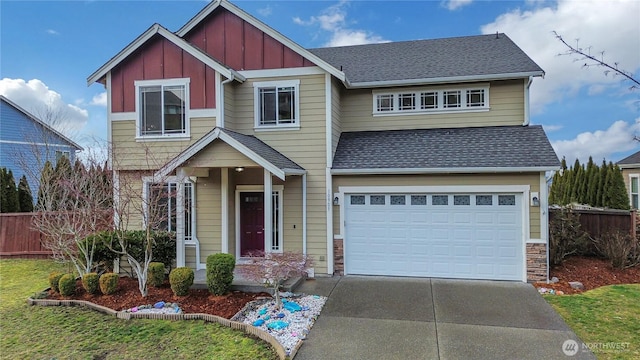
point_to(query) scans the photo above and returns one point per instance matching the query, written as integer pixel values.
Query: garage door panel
(428, 235)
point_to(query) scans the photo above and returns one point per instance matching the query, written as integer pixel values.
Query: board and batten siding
(506, 102)
(531, 179)
(132, 154)
(305, 146)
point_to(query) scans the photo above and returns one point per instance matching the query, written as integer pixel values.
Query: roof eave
(457, 170)
(629, 166)
(440, 80)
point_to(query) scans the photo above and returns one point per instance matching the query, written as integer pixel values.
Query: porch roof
(248, 145)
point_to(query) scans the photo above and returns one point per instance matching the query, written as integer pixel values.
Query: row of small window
(431, 100)
(435, 200)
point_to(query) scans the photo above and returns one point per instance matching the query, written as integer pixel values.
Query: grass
(37, 332)
(604, 317)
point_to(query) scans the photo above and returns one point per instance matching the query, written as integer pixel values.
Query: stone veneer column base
(338, 257)
(536, 262)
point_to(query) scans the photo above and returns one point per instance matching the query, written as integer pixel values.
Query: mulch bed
(197, 301)
(591, 272)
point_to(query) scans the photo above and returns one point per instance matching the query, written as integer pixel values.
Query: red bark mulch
(197, 301)
(591, 272)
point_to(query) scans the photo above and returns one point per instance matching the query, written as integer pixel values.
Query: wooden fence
(598, 223)
(18, 239)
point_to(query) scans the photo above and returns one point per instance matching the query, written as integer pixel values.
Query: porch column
(224, 199)
(180, 256)
(268, 212)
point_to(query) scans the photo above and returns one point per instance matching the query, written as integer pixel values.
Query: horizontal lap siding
(131, 154)
(531, 179)
(506, 101)
(306, 147)
(219, 154)
(208, 214)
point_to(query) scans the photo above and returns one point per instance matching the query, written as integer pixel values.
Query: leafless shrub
(621, 249)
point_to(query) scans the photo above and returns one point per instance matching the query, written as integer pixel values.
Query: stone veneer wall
(338, 257)
(536, 262)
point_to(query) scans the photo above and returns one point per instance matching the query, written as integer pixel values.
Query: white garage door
(469, 236)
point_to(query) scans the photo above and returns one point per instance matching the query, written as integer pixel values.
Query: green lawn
(37, 332)
(604, 318)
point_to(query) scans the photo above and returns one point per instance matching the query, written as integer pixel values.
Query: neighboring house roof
(41, 123)
(455, 150)
(631, 161)
(248, 145)
(468, 58)
(194, 51)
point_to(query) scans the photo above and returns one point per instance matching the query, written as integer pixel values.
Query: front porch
(242, 284)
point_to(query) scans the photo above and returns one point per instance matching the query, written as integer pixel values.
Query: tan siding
(627, 180)
(131, 154)
(208, 214)
(229, 105)
(533, 180)
(506, 101)
(219, 154)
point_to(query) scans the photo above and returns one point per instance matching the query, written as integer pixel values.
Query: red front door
(251, 222)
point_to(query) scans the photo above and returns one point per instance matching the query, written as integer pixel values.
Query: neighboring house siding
(336, 114)
(161, 59)
(531, 179)
(132, 154)
(506, 101)
(627, 179)
(240, 45)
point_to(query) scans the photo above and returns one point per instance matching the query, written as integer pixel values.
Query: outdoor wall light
(239, 169)
(535, 199)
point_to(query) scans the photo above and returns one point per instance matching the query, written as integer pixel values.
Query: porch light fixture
(239, 169)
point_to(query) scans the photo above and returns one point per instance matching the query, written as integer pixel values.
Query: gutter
(462, 170)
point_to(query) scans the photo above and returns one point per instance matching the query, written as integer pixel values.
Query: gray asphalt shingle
(429, 59)
(631, 159)
(476, 147)
(267, 152)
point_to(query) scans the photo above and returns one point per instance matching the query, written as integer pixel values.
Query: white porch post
(268, 213)
(224, 199)
(304, 214)
(180, 256)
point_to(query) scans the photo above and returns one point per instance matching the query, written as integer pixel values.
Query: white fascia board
(468, 170)
(288, 171)
(628, 166)
(461, 189)
(269, 73)
(262, 27)
(471, 78)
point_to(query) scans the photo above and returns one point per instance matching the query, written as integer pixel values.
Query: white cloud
(455, 4)
(552, 127)
(266, 11)
(609, 26)
(52, 32)
(35, 97)
(600, 144)
(100, 99)
(334, 20)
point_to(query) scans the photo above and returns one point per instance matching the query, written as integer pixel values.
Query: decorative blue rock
(305, 308)
(267, 317)
(292, 306)
(277, 325)
(258, 322)
(280, 316)
(262, 311)
(159, 305)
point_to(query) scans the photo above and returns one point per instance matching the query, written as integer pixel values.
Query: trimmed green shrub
(164, 248)
(181, 279)
(91, 282)
(103, 257)
(220, 273)
(54, 279)
(67, 285)
(155, 275)
(108, 283)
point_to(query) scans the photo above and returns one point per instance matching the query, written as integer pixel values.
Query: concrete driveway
(410, 318)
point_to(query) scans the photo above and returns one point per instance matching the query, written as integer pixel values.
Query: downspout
(304, 214)
(526, 102)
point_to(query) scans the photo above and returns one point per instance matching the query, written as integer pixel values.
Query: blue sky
(49, 48)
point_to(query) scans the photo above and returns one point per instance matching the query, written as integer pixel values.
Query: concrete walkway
(409, 318)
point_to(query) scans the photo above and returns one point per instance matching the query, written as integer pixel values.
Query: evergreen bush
(67, 285)
(220, 273)
(108, 283)
(54, 279)
(155, 276)
(91, 282)
(181, 280)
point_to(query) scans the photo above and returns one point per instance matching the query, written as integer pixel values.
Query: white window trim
(147, 180)
(256, 104)
(260, 188)
(164, 82)
(634, 176)
(440, 109)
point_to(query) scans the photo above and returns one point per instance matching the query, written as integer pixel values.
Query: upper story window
(161, 108)
(425, 101)
(277, 104)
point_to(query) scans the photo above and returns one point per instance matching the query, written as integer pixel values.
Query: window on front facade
(277, 104)
(634, 191)
(162, 208)
(425, 101)
(162, 108)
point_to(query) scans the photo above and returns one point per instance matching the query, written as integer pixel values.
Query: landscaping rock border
(246, 328)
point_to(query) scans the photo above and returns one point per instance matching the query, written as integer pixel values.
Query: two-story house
(27, 142)
(409, 158)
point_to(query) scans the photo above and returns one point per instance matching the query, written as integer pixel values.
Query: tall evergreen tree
(10, 190)
(619, 196)
(25, 198)
(604, 170)
(578, 178)
(46, 180)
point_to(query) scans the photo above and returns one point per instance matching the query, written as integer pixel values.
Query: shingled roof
(476, 149)
(633, 159)
(265, 151)
(437, 60)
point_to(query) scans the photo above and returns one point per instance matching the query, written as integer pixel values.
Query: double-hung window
(162, 207)
(162, 108)
(277, 104)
